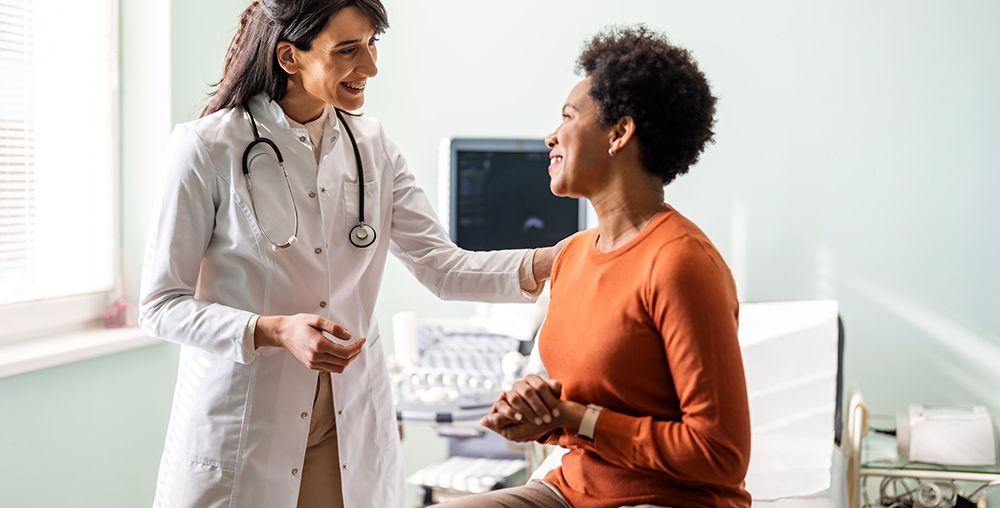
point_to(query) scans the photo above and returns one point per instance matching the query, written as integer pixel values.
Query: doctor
(268, 281)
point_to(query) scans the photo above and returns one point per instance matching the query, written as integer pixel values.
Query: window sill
(42, 353)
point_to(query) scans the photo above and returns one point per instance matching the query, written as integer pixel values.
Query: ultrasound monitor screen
(501, 199)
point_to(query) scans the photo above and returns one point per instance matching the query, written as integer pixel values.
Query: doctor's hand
(544, 258)
(302, 335)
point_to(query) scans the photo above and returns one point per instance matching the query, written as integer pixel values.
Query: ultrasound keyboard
(459, 374)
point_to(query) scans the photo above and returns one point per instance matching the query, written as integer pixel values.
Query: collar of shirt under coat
(267, 109)
(315, 129)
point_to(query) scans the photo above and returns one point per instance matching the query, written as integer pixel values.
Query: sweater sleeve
(691, 299)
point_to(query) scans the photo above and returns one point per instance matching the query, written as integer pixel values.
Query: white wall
(856, 156)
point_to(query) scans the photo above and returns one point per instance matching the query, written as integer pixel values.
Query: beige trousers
(320, 486)
(536, 494)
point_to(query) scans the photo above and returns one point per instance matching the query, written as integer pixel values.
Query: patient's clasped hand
(540, 410)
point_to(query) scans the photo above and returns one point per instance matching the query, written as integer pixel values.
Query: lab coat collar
(264, 107)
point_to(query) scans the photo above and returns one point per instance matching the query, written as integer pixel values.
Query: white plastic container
(940, 434)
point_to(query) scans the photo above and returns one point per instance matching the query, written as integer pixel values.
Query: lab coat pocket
(193, 483)
(372, 212)
(209, 404)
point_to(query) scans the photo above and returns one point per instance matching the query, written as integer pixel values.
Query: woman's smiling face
(579, 147)
(342, 58)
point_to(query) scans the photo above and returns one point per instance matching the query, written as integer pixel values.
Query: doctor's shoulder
(369, 130)
(365, 127)
(208, 141)
(223, 127)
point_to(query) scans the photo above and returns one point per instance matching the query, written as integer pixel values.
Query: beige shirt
(315, 129)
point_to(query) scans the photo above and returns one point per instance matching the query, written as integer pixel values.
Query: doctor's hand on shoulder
(545, 257)
(302, 335)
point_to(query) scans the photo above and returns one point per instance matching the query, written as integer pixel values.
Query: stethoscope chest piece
(362, 235)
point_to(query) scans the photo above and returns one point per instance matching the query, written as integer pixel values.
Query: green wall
(88, 434)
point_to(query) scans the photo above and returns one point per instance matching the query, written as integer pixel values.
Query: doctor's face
(578, 160)
(342, 58)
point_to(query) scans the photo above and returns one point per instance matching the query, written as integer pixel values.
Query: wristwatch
(588, 424)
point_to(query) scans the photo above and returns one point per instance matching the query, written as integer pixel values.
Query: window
(58, 170)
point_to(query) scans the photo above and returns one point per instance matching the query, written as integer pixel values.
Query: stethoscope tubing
(362, 235)
(281, 164)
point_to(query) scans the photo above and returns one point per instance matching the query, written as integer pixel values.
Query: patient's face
(579, 157)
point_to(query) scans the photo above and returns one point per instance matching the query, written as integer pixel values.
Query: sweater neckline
(602, 257)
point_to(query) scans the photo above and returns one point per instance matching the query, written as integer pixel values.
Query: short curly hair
(636, 72)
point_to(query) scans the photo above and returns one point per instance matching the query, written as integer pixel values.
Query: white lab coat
(239, 421)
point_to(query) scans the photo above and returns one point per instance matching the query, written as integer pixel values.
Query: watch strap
(588, 424)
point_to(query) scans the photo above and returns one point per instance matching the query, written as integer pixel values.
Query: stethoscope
(360, 236)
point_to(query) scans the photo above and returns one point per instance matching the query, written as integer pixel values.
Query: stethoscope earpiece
(362, 235)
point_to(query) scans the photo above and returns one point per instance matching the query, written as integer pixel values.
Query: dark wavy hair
(636, 72)
(251, 63)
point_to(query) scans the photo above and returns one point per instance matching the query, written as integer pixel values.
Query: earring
(611, 152)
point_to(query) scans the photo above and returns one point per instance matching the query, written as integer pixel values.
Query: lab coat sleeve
(421, 243)
(179, 233)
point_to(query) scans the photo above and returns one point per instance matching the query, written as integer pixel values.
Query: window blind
(58, 96)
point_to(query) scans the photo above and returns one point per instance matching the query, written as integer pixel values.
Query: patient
(643, 317)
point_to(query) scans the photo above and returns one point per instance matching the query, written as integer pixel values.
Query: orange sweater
(648, 331)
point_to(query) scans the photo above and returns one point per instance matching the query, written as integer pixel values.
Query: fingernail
(547, 418)
(517, 416)
(555, 412)
(347, 334)
(538, 421)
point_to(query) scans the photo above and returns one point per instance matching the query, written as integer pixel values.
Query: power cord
(898, 492)
(939, 494)
(981, 491)
(887, 432)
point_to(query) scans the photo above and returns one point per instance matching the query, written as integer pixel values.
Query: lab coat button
(305, 415)
(345, 467)
(322, 189)
(302, 139)
(333, 139)
(341, 412)
(312, 194)
(322, 304)
(295, 472)
(319, 250)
